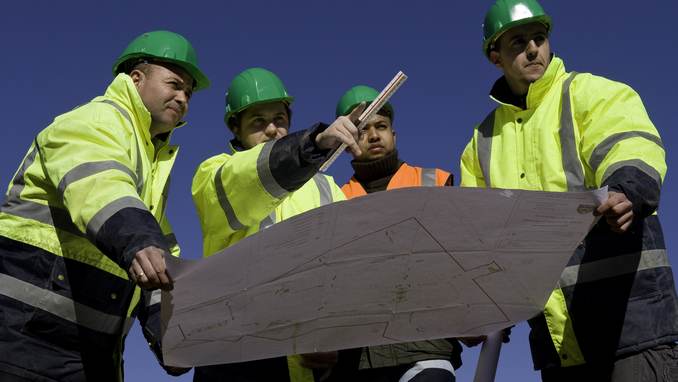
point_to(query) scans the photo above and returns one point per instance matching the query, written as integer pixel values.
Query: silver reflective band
(225, 204)
(56, 217)
(324, 188)
(140, 168)
(421, 366)
(267, 222)
(154, 298)
(59, 305)
(574, 173)
(265, 174)
(119, 108)
(612, 267)
(46, 214)
(604, 147)
(484, 142)
(428, 177)
(18, 182)
(109, 210)
(84, 170)
(637, 163)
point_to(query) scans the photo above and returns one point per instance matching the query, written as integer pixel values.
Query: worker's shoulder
(205, 172)
(212, 163)
(589, 84)
(93, 117)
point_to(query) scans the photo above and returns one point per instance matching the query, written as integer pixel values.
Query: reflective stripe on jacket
(582, 132)
(409, 352)
(406, 176)
(236, 196)
(89, 164)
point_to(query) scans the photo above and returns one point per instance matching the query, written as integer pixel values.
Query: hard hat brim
(200, 79)
(543, 19)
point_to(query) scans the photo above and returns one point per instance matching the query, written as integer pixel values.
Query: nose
(271, 130)
(531, 49)
(372, 135)
(182, 99)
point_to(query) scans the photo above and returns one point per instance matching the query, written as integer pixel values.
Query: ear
(495, 58)
(138, 77)
(235, 129)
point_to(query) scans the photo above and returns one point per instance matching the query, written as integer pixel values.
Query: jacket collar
(235, 145)
(501, 93)
(125, 94)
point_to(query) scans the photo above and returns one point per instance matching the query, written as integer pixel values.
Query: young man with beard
(379, 168)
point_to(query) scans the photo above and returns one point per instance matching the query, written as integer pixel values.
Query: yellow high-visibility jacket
(90, 192)
(239, 194)
(577, 132)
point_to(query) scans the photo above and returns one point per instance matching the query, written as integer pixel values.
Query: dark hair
(386, 113)
(140, 64)
(494, 47)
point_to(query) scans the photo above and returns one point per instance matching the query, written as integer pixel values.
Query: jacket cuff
(309, 152)
(641, 189)
(127, 232)
(294, 159)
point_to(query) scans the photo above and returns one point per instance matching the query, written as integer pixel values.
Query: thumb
(355, 113)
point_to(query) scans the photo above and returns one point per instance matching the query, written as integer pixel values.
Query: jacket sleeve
(337, 193)
(471, 175)
(620, 145)
(232, 192)
(87, 158)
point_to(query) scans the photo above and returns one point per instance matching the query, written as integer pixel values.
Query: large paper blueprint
(403, 265)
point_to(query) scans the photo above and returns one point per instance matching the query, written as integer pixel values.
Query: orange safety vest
(406, 176)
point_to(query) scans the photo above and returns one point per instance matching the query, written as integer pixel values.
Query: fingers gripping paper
(397, 266)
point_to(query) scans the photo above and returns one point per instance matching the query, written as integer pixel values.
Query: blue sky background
(58, 54)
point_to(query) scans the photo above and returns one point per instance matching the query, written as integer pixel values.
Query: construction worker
(614, 313)
(270, 176)
(82, 226)
(379, 168)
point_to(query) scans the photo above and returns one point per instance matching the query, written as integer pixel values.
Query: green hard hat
(357, 94)
(254, 86)
(507, 14)
(166, 47)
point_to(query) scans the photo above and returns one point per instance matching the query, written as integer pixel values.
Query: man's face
(523, 55)
(377, 139)
(165, 91)
(262, 123)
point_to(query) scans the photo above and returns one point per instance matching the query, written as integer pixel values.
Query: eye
(518, 43)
